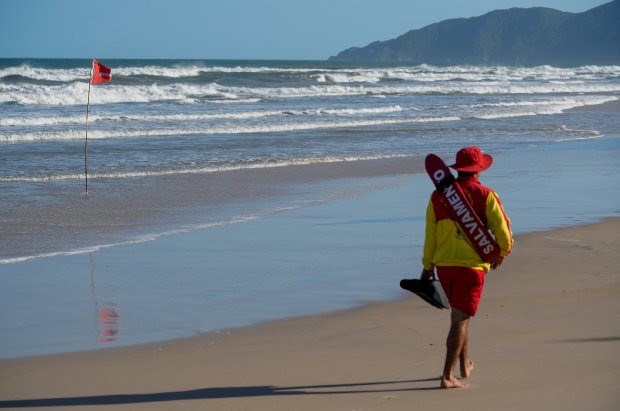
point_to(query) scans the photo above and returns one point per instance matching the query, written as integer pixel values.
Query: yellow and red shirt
(446, 245)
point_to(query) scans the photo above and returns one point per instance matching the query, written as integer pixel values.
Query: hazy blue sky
(225, 29)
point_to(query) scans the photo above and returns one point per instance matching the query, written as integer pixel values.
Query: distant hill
(514, 37)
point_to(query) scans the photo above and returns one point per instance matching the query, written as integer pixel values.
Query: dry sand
(546, 337)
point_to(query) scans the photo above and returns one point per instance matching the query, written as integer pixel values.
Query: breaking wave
(75, 93)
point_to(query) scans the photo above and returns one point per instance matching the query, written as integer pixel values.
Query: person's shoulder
(483, 187)
(486, 188)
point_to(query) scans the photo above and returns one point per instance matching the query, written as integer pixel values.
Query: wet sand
(546, 337)
(115, 210)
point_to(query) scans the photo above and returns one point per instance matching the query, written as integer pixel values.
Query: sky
(226, 29)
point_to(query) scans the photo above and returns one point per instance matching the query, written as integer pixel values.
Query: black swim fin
(428, 290)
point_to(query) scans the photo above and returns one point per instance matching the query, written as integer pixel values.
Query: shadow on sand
(221, 392)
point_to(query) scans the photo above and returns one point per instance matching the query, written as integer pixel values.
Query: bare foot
(452, 382)
(466, 368)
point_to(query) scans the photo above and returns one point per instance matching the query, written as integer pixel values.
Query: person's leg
(467, 365)
(463, 286)
(456, 341)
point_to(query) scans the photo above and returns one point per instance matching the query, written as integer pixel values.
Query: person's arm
(430, 243)
(499, 224)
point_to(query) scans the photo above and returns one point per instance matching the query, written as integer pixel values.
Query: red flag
(101, 73)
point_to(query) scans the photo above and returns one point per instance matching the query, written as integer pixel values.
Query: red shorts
(463, 287)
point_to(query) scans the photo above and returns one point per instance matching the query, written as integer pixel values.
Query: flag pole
(86, 138)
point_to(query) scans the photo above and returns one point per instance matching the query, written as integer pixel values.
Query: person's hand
(497, 263)
(427, 275)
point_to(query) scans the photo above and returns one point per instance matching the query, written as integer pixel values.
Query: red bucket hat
(471, 159)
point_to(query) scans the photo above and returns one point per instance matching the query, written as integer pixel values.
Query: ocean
(222, 186)
(161, 117)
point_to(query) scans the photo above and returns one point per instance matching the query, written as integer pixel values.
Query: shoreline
(382, 355)
(342, 251)
(173, 201)
(215, 334)
(218, 333)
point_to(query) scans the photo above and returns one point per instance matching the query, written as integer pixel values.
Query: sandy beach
(545, 337)
(162, 249)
